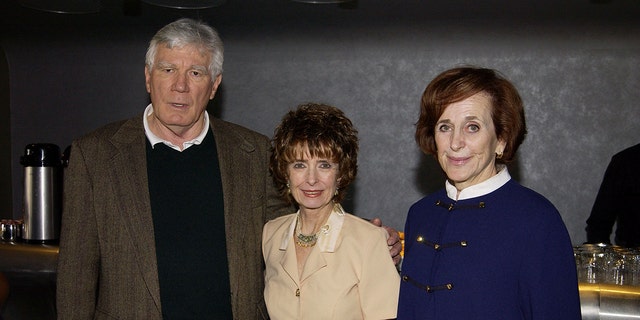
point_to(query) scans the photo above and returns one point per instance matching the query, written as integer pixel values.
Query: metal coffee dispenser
(43, 167)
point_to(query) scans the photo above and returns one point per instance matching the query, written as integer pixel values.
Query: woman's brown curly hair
(322, 130)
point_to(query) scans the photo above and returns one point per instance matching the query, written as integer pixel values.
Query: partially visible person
(484, 247)
(321, 262)
(617, 201)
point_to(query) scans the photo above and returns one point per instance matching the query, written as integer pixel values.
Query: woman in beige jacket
(322, 263)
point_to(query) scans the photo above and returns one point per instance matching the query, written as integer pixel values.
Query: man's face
(180, 87)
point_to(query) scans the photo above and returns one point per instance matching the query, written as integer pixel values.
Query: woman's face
(466, 141)
(313, 182)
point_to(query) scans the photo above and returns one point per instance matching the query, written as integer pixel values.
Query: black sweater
(188, 215)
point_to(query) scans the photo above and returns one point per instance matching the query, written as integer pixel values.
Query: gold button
(297, 292)
(420, 239)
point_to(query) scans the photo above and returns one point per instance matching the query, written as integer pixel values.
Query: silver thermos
(43, 167)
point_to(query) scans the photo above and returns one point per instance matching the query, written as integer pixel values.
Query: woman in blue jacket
(484, 247)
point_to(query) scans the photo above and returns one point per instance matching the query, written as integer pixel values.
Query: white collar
(154, 139)
(328, 238)
(482, 188)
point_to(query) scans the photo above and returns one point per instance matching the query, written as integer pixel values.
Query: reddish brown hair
(454, 85)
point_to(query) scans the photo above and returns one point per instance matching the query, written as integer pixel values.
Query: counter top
(609, 301)
(598, 301)
(20, 257)
(30, 270)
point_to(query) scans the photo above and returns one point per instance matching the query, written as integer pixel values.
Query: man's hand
(393, 241)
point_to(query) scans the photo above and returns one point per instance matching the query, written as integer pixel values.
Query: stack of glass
(605, 263)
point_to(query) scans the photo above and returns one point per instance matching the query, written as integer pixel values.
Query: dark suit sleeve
(603, 214)
(79, 256)
(276, 206)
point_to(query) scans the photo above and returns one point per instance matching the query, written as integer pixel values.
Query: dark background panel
(576, 64)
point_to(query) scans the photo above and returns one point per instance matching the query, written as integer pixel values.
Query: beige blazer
(348, 275)
(107, 265)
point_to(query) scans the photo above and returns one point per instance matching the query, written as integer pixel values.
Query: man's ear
(216, 83)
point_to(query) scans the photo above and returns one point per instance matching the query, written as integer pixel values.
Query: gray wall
(5, 141)
(579, 78)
